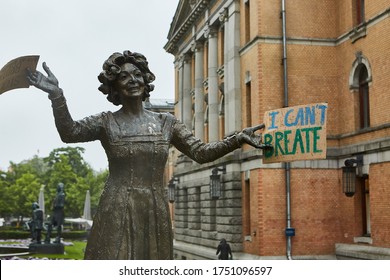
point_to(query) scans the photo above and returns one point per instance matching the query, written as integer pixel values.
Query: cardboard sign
(296, 133)
(13, 75)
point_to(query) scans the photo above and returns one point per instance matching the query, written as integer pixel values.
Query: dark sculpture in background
(36, 223)
(132, 220)
(58, 216)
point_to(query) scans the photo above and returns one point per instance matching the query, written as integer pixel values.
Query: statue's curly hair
(112, 68)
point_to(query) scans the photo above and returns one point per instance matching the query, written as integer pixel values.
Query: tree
(24, 192)
(20, 185)
(74, 157)
(68, 166)
(5, 206)
(96, 184)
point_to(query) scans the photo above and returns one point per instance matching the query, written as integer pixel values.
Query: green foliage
(19, 233)
(5, 206)
(74, 159)
(14, 234)
(23, 193)
(74, 234)
(20, 185)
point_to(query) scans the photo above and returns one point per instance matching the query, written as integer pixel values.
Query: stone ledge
(362, 239)
(52, 248)
(199, 252)
(361, 252)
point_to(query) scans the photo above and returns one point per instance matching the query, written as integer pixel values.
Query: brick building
(235, 60)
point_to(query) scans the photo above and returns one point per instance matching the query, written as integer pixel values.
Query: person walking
(224, 250)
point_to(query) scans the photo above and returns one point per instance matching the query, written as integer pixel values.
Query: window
(247, 208)
(359, 82)
(364, 103)
(185, 208)
(198, 211)
(221, 47)
(358, 11)
(247, 20)
(213, 215)
(248, 100)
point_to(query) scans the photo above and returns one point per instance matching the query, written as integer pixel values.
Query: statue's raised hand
(47, 83)
(249, 136)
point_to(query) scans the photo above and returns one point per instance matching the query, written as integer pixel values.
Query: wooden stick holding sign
(14, 74)
(295, 133)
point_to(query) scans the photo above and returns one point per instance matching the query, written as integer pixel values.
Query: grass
(72, 252)
(9, 242)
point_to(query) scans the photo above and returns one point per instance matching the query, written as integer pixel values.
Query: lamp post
(215, 182)
(349, 175)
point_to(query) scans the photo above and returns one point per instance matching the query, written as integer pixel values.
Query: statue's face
(130, 82)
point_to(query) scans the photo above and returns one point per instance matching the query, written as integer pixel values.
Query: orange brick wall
(321, 214)
(318, 73)
(267, 213)
(272, 212)
(380, 206)
(322, 16)
(315, 19)
(375, 47)
(372, 8)
(307, 83)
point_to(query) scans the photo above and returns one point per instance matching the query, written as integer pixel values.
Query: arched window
(359, 82)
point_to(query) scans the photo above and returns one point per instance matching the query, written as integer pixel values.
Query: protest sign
(295, 133)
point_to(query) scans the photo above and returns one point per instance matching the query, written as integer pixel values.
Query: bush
(12, 233)
(73, 235)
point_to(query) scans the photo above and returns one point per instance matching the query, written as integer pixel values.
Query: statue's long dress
(132, 220)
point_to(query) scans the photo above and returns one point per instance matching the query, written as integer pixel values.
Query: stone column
(179, 108)
(199, 97)
(223, 18)
(213, 84)
(232, 70)
(187, 99)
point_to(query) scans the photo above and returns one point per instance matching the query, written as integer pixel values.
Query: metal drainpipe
(287, 164)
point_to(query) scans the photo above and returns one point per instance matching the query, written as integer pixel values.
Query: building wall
(380, 206)
(324, 46)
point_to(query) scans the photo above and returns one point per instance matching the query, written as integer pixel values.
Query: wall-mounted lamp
(171, 189)
(349, 175)
(215, 182)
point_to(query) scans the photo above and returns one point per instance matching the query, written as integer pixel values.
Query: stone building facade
(233, 62)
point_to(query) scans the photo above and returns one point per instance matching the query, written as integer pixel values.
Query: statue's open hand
(47, 83)
(249, 136)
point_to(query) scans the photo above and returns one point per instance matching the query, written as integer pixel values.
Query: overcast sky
(74, 38)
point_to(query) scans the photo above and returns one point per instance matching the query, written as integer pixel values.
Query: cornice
(197, 10)
(353, 35)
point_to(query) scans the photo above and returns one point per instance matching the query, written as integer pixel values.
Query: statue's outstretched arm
(70, 131)
(202, 152)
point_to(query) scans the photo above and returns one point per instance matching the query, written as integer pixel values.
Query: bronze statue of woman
(132, 220)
